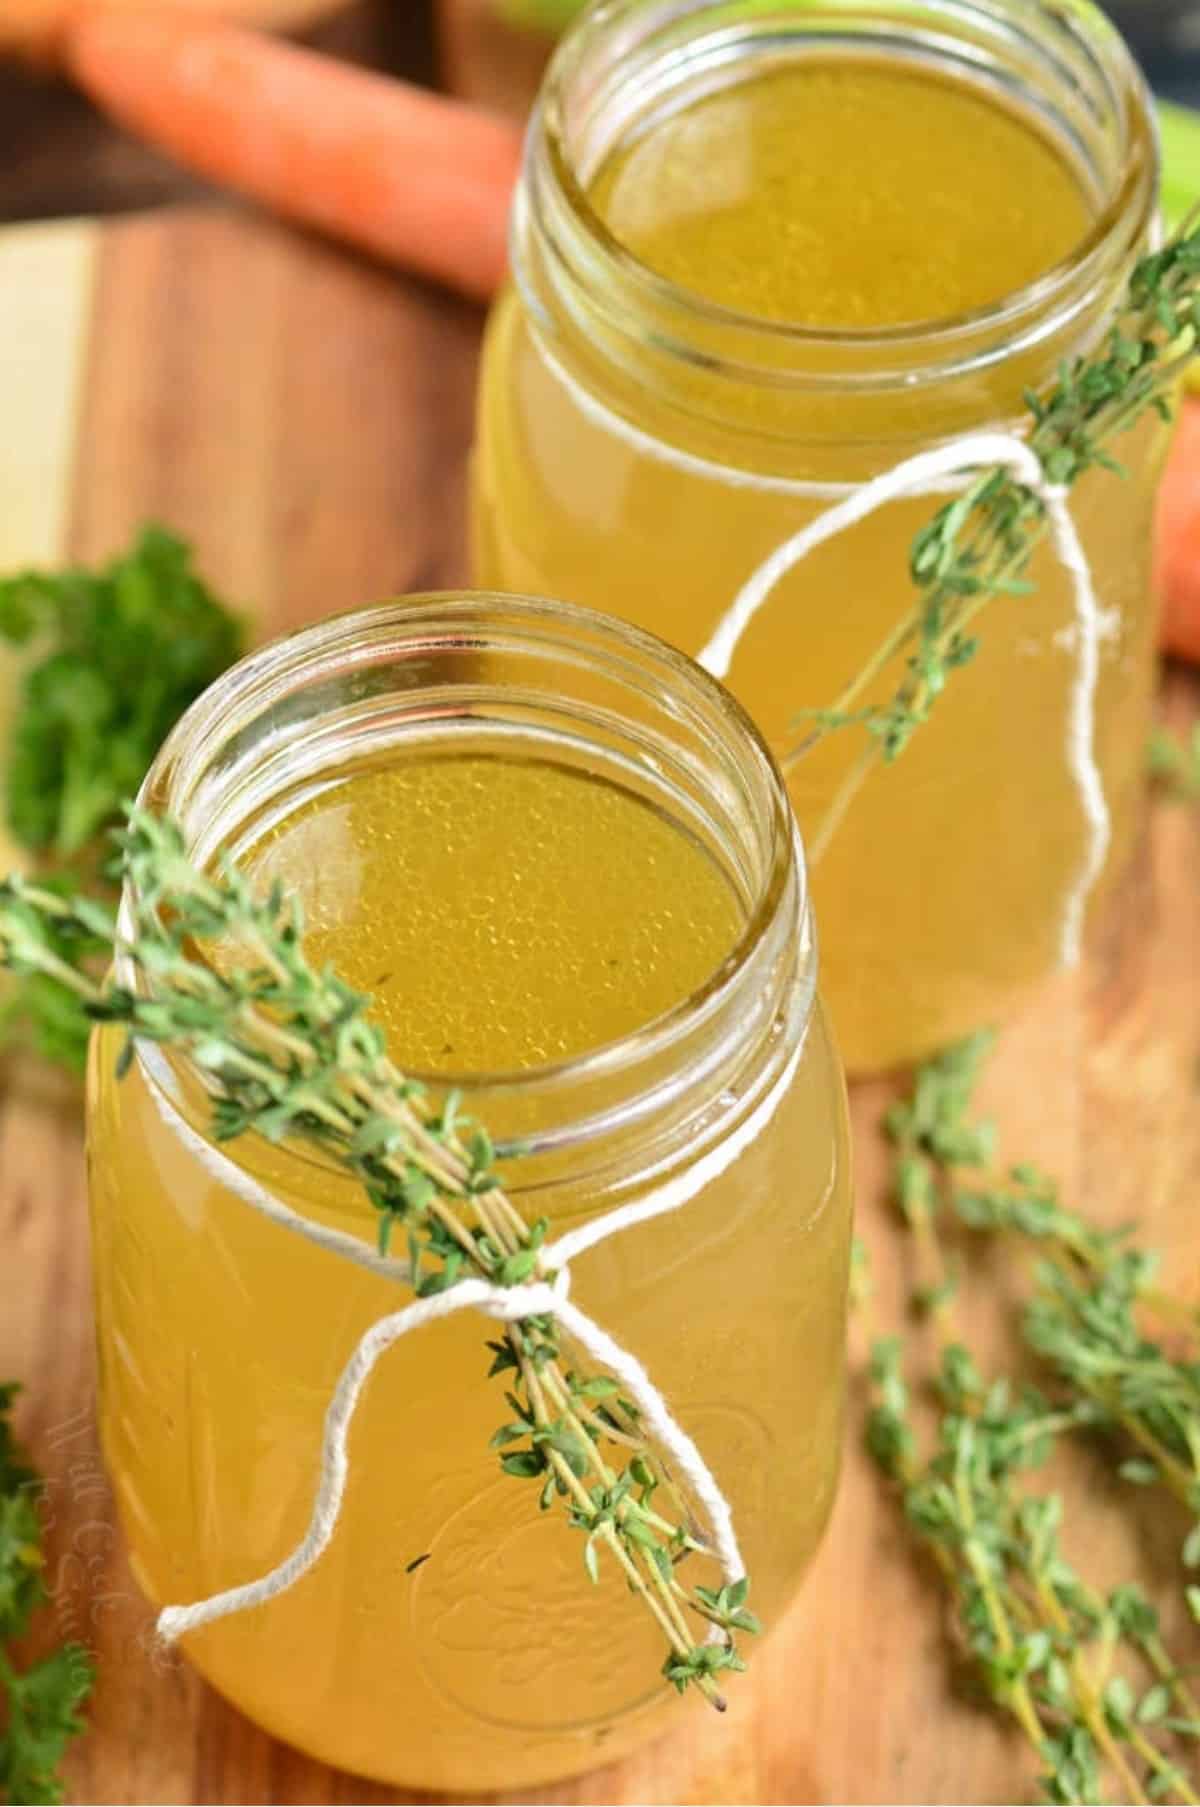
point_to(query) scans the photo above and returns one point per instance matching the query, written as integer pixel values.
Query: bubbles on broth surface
(502, 913)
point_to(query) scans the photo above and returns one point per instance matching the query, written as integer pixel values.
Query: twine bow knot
(507, 1304)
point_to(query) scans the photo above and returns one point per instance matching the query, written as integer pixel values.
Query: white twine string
(946, 468)
(507, 1304)
(927, 473)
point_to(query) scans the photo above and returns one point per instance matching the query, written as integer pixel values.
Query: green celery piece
(539, 15)
(1180, 129)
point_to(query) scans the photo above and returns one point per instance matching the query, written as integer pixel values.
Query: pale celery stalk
(1180, 131)
(539, 15)
(1180, 128)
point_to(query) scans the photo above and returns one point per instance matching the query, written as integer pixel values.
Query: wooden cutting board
(306, 420)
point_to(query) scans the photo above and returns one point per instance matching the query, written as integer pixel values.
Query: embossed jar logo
(509, 1628)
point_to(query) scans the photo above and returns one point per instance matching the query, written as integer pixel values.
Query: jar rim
(362, 638)
(1121, 222)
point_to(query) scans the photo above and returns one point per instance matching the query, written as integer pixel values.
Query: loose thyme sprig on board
(292, 1051)
(979, 546)
(1084, 1672)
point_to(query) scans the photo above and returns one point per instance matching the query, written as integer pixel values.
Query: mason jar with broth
(762, 253)
(562, 862)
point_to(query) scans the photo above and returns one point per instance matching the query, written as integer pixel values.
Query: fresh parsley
(122, 651)
(115, 657)
(39, 1702)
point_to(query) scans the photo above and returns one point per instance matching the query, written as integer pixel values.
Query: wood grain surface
(306, 419)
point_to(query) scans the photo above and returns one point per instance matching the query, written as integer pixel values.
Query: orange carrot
(415, 179)
(1178, 548)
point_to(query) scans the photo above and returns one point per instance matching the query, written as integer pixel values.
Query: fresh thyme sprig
(1046, 1645)
(1054, 1652)
(291, 1051)
(1094, 1307)
(979, 546)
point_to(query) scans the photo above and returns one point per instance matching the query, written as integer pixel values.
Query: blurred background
(58, 158)
(1166, 35)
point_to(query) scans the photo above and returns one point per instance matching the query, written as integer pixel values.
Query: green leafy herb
(39, 1703)
(291, 1051)
(117, 655)
(122, 651)
(1083, 1672)
(40, 1011)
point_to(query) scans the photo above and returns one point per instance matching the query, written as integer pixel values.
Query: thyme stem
(1029, 1620)
(978, 547)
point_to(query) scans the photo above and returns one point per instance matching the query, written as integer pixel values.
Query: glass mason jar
(644, 450)
(495, 1663)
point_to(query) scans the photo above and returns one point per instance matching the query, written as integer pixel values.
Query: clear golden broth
(845, 193)
(848, 193)
(492, 889)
